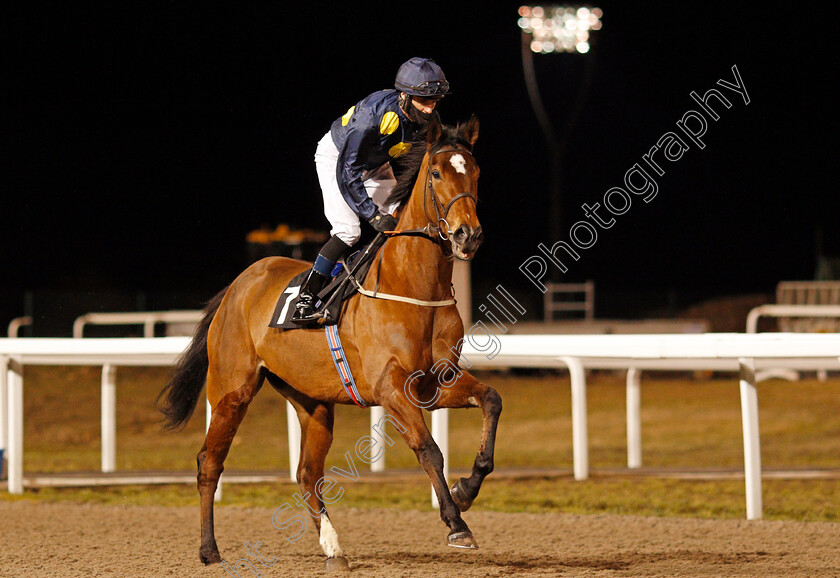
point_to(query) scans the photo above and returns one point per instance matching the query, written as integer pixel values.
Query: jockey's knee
(349, 235)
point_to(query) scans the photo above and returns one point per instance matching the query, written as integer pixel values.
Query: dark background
(143, 141)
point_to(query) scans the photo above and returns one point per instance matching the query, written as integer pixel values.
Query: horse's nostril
(478, 236)
(462, 233)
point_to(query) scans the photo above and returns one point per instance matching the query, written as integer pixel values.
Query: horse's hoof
(211, 557)
(459, 496)
(463, 540)
(337, 564)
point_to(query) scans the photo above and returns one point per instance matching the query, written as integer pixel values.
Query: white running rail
(738, 352)
(148, 319)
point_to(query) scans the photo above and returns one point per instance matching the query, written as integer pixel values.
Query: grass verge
(687, 423)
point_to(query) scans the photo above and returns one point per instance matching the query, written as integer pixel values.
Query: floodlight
(547, 30)
(559, 28)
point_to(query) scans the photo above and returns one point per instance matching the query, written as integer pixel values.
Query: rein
(429, 231)
(389, 297)
(375, 294)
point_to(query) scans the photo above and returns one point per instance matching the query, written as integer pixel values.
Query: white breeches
(378, 183)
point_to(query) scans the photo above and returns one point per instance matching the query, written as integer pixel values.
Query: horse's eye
(436, 174)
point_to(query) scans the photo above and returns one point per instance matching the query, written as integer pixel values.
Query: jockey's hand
(383, 222)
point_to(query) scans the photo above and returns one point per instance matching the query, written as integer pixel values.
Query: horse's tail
(178, 399)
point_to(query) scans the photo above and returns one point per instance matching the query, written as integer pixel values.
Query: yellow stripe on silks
(346, 118)
(390, 122)
(399, 149)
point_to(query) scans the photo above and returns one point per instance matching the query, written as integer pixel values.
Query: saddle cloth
(340, 284)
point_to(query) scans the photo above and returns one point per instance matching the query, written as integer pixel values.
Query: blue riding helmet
(421, 77)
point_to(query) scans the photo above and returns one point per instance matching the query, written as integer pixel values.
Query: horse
(387, 342)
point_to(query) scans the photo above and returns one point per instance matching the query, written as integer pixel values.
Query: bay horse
(386, 343)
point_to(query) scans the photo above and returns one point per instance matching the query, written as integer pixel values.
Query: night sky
(145, 140)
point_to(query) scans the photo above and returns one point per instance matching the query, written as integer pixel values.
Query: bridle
(429, 191)
(433, 227)
(431, 231)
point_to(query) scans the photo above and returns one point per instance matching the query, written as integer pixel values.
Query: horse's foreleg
(224, 422)
(411, 424)
(316, 421)
(467, 391)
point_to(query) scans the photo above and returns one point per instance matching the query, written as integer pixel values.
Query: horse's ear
(434, 130)
(469, 131)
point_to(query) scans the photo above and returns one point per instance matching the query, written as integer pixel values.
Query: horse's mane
(409, 164)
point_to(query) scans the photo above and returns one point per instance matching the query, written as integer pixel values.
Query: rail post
(4, 414)
(752, 444)
(377, 412)
(580, 435)
(109, 418)
(634, 419)
(440, 433)
(14, 383)
(294, 440)
(217, 495)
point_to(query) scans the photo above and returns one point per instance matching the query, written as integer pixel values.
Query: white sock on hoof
(329, 538)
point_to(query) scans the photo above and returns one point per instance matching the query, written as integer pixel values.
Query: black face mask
(413, 113)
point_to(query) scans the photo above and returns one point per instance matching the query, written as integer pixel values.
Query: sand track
(68, 539)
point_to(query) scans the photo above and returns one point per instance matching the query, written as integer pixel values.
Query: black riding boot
(305, 308)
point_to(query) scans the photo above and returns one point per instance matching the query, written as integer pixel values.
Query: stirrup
(313, 314)
(321, 316)
(300, 316)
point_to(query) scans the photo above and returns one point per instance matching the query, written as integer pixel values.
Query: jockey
(354, 170)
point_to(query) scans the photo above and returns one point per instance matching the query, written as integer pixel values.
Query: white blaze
(459, 163)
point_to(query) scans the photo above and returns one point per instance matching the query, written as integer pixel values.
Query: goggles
(431, 88)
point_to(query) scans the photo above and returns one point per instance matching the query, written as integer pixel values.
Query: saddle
(334, 294)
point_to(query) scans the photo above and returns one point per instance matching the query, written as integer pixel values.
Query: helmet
(421, 77)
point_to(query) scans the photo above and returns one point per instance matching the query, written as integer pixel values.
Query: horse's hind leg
(227, 414)
(316, 425)
(467, 391)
